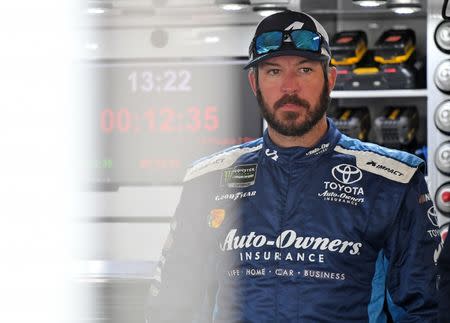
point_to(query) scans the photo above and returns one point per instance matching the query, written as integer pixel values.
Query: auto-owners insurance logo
(343, 189)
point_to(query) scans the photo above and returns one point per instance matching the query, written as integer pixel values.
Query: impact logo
(342, 190)
(385, 168)
(216, 217)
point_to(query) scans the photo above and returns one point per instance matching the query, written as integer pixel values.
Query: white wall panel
(141, 43)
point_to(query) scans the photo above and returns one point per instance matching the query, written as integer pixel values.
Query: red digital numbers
(195, 119)
(163, 120)
(167, 120)
(107, 120)
(211, 119)
(111, 120)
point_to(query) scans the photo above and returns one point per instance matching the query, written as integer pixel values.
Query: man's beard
(289, 126)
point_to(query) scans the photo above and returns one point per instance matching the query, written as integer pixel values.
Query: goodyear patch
(216, 217)
(239, 176)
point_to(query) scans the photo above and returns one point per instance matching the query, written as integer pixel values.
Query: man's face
(293, 93)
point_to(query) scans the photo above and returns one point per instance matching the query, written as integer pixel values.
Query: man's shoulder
(396, 165)
(222, 159)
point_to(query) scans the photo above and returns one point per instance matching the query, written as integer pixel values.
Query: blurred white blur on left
(40, 137)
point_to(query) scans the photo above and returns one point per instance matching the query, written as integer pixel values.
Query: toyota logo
(432, 216)
(346, 174)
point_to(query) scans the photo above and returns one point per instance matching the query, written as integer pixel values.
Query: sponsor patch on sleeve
(381, 165)
(218, 162)
(239, 176)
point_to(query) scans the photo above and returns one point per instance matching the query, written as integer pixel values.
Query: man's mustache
(291, 99)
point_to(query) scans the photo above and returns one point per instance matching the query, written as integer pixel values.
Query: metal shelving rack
(342, 15)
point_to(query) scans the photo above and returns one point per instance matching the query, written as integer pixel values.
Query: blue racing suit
(332, 233)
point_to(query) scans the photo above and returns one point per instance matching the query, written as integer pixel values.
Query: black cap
(290, 20)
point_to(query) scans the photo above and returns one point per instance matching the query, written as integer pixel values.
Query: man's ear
(252, 79)
(332, 74)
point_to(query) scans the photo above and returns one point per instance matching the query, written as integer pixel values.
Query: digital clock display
(152, 120)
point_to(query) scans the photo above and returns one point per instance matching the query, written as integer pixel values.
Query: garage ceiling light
(234, 5)
(369, 3)
(404, 6)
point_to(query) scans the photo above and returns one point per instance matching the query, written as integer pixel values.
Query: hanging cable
(444, 10)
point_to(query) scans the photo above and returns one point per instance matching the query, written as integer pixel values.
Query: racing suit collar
(301, 154)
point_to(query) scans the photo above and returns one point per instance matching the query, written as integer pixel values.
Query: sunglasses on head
(301, 39)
